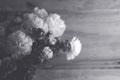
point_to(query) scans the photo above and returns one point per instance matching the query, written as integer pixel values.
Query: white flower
(56, 25)
(20, 43)
(37, 19)
(52, 39)
(37, 22)
(48, 23)
(48, 53)
(42, 13)
(75, 48)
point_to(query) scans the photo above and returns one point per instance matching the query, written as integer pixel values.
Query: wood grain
(81, 74)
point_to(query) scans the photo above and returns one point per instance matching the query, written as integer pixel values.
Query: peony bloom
(56, 25)
(75, 48)
(48, 53)
(52, 39)
(20, 43)
(48, 23)
(42, 13)
(37, 22)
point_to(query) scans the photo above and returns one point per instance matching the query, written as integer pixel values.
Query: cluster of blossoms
(20, 44)
(33, 38)
(42, 31)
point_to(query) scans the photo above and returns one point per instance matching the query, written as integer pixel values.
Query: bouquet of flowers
(36, 39)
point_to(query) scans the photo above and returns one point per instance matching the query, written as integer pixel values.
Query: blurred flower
(36, 19)
(37, 22)
(56, 25)
(52, 39)
(20, 43)
(48, 53)
(2, 30)
(48, 23)
(75, 48)
(18, 20)
(42, 13)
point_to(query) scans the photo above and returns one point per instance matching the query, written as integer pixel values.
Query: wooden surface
(78, 74)
(80, 70)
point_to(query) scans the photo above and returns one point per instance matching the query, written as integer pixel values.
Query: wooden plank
(80, 70)
(79, 74)
(83, 64)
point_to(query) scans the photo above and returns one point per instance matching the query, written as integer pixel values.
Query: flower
(2, 30)
(48, 53)
(52, 39)
(36, 19)
(56, 25)
(37, 22)
(75, 48)
(20, 43)
(42, 13)
(18, 20)
(48, 23)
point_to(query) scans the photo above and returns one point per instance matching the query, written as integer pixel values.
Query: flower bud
(52, 40)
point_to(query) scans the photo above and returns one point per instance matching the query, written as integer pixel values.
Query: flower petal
(48, 53)
(56, 25)
(20, 43)
(75, 48)
(42, 13)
